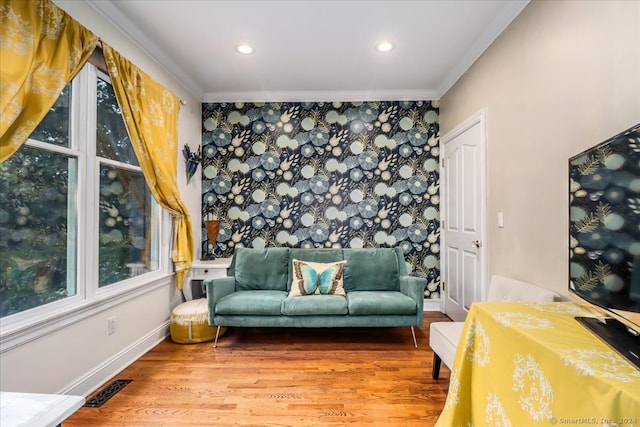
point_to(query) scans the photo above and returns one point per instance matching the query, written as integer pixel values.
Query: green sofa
(379, 292)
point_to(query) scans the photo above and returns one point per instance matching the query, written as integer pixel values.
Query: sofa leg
(215, 343)
(413, 334)
(435, 373)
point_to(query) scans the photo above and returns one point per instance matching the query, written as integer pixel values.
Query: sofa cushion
(362, 303)
(317, 278)
(261, 303)
(314, 255)
(371, 270)
(261, 269)
(314, 305)
(402, 263)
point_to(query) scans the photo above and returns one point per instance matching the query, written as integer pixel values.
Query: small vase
(213, 228)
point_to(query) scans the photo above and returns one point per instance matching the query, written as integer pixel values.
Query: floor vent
(106, 393)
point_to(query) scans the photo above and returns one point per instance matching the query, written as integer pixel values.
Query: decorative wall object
(192, 160)
(320, 175)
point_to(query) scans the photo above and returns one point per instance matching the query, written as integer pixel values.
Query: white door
(463, 261)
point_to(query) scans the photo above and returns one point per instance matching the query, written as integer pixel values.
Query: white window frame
(20, 328)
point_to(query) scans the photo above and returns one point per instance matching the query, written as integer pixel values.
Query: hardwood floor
(281, 377)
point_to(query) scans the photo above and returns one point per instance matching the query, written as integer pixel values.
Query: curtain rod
(183, 103)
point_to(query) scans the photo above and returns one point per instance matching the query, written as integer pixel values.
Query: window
(36, 229)
(126, 247)
(76, 216)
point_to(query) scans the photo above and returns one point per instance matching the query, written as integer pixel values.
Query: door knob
(476, 243)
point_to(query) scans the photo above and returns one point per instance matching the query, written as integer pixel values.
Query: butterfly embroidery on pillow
(312, 278)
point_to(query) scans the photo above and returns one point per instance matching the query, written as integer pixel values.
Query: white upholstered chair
(445, 336)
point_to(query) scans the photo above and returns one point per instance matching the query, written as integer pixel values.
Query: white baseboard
(431, 305)
(95, 378)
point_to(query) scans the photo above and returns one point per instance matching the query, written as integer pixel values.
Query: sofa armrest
(413, 287)
(217, 289)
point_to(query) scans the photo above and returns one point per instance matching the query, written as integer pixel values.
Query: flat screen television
(604, 239)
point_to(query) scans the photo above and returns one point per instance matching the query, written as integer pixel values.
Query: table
(36, 410)
(533, 364)
(202, 270)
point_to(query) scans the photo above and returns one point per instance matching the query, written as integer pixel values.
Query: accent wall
(324, 175)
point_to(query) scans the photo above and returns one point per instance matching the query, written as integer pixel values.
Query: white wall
(564, 76)
(80, 357)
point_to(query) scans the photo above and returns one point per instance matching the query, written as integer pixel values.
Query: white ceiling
(313, 50)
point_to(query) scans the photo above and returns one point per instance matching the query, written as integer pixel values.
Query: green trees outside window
(75, 212)
(34, 230)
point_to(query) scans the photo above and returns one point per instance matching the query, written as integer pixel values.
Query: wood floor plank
(281, 377)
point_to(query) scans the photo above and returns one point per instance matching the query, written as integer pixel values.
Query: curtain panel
(150, 114)
(41, 50)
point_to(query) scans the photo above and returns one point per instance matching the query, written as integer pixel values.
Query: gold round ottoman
(190, 323)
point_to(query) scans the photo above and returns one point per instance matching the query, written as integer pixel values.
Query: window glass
(54, 128)
(126, 227)
(37, 229)
(112, 137)
(57, 188)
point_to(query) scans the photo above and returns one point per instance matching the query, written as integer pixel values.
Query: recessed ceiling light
(245, 49)
(384, 46)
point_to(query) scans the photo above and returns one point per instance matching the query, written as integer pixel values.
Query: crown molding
(109, 11)
(321, 96)
(510, 10)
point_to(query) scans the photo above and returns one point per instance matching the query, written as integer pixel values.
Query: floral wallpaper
(324, 175)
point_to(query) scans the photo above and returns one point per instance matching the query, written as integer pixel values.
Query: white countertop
(36, 410)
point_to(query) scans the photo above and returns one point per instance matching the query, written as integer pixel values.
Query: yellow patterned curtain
(41, 50)
(150, 113)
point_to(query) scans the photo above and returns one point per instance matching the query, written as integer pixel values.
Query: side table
(202, 270)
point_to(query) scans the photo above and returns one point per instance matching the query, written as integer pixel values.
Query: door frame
(478, 118)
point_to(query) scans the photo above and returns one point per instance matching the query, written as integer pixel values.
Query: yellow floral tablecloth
(533, 364)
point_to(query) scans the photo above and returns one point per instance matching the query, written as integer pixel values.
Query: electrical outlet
(111, 325)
